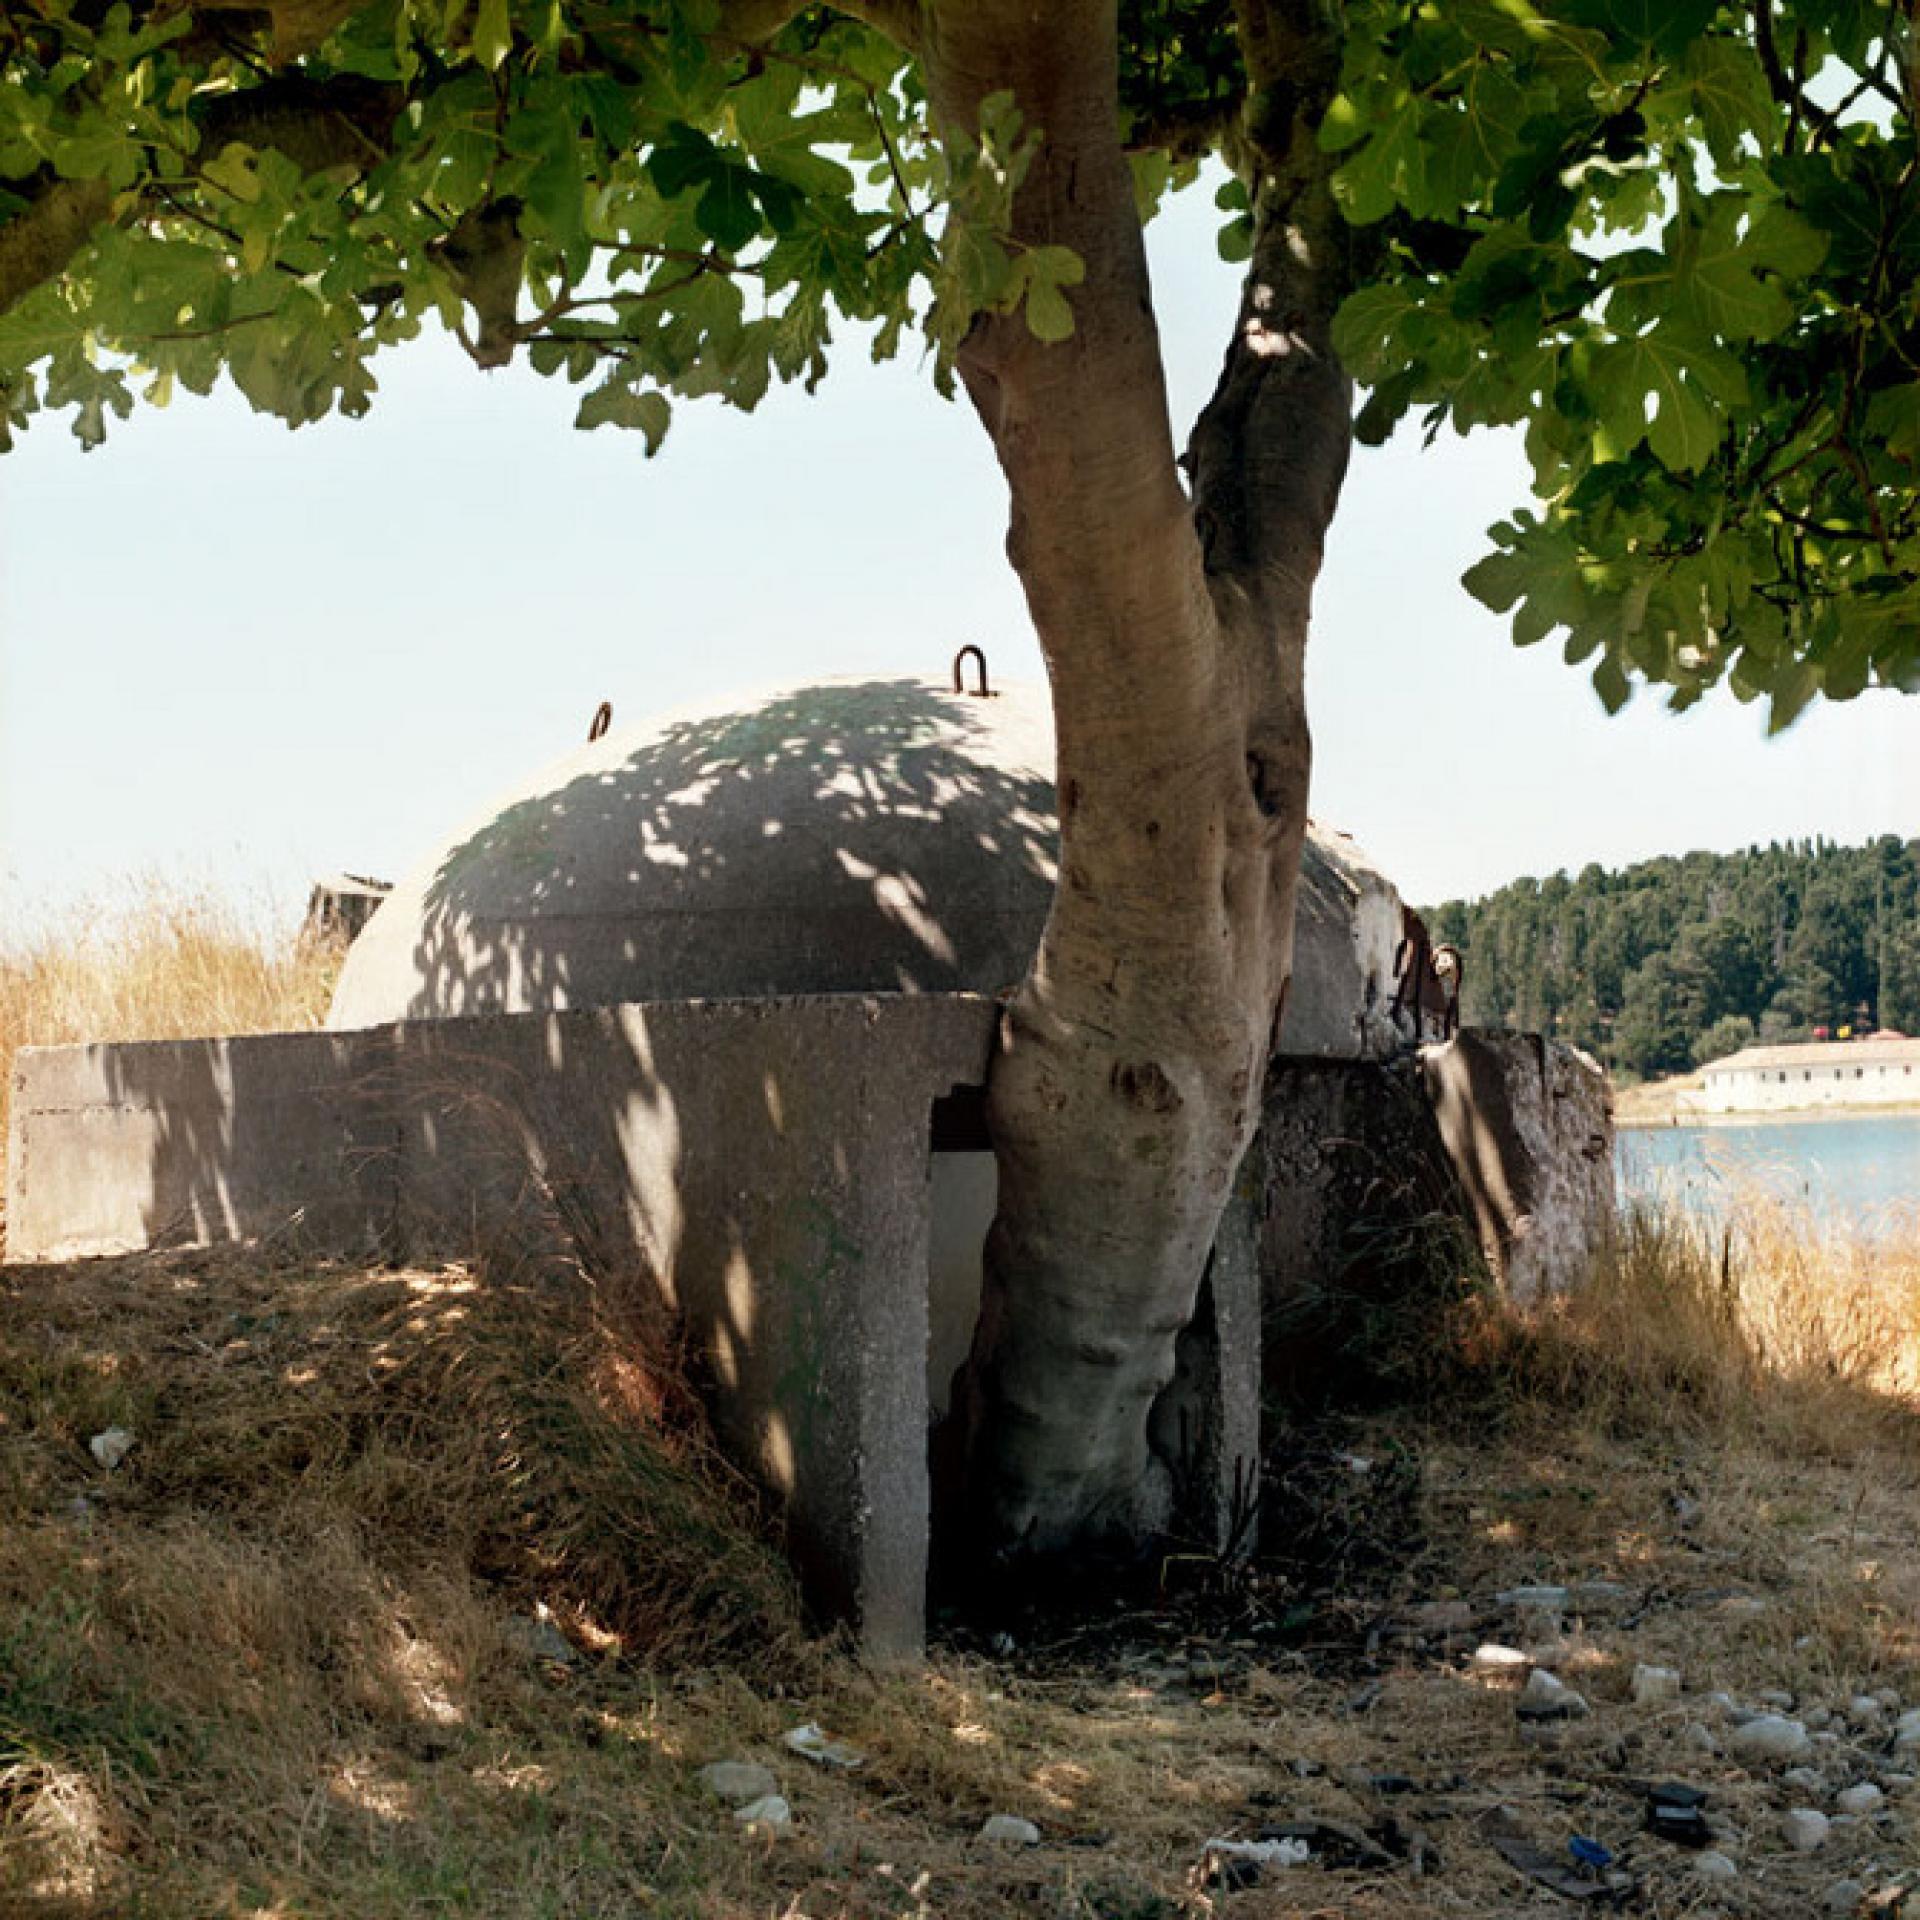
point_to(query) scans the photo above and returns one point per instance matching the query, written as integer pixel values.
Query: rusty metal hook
(981, 692)
(602, 720)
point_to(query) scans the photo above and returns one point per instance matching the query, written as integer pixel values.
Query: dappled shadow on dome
(879, 836)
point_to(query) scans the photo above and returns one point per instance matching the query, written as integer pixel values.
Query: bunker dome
(841, 836)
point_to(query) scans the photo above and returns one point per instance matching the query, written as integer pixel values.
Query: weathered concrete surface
(765, 1163)
(1357, 1220)
(1528, 1126)
(840, 837)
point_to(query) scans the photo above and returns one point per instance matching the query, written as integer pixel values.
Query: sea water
(1860, 1170)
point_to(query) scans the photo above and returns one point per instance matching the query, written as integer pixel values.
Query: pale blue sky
(253, 655)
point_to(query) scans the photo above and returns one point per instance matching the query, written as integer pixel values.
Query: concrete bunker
(719, 990)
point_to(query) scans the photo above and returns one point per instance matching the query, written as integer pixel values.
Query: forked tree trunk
(1130, 1070)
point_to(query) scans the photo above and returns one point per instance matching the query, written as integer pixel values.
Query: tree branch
(58, 220)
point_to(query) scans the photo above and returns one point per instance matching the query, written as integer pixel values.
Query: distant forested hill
(1672, 963)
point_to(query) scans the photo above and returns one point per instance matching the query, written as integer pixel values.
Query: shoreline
(1674, 1115)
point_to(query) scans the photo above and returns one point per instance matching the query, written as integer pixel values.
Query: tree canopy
(1670, 963)
(1675, 241)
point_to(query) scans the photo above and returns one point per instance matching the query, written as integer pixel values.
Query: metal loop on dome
(981, 692)
(602, 720)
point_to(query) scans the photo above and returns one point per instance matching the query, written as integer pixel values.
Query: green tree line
(1670, 963)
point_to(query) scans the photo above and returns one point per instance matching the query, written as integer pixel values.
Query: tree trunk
(1129, 1075)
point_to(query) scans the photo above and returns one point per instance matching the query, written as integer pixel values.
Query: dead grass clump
(363, 1515)
(1770, 1322)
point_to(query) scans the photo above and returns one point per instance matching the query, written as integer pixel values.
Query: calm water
(1861, 1168)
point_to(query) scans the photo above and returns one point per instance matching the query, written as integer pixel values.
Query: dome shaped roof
(843, 836)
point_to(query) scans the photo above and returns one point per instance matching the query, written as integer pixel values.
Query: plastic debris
(811, 1743)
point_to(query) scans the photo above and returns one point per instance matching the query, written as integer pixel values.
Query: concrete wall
(1528, 1126)
(765, 1162)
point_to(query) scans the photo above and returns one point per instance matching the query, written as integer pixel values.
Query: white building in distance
(1833, 1073)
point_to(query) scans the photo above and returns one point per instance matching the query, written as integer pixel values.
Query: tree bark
(1129, 1074)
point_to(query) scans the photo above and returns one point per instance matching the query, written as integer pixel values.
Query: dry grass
(156, 960)
(283, 1661)
(278, 1662)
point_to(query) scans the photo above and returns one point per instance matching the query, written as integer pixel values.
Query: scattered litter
(1677, 1812)
(1503, 1832)
(811, 1743)
(1589, 1853)
(1239, 1863)
(1332, 1843)
(1493, 1658)
(111, 1447)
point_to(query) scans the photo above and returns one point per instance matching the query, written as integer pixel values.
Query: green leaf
(1732, 98)
(638, 409)
(492, 33)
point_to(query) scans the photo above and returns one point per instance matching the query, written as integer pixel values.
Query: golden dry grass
(155, 960)
(278, 1662)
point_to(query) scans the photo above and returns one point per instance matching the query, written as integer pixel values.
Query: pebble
(1767, 1736)
(1493, 1658)
(1863, 1706)
(1844, 1896)
(1804, 1829)
(1699, 1738)
(1776, 1697)
(1861, 1798)
(1546, 1698)
(1906, 1731)
(1805, 1778)
(738, 1782)
(1713, 1865)
(768, 1811)
(1651, 1685)
(1534, 1599)
(1818, 1718)
(538, 1638)
(1009, 1830)
(111, 1447)
(1888, 1700)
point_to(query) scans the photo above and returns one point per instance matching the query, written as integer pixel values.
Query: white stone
(111, 1447)
(768, 1811)
(1776, 1697)
(1493, 1658)
(1861, 1798)
(1767, 1737)
(1844, 1896)
(1803, 1780)
(1652, 1685)
(1712, 1865)
(1699, 1738)
(1546, 1697)
(1863, 1706)
(1804, 1829)
(1906, 1730)
(1009, 1830)
(738, 1782)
